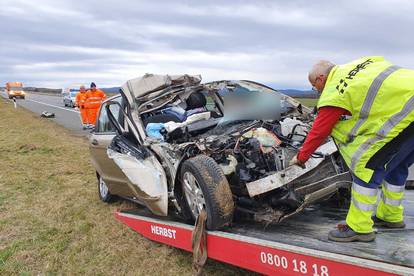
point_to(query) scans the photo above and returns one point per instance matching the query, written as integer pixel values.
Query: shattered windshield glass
(245, 101)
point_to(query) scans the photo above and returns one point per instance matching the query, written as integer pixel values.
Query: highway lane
(64, 116)
(69, 117)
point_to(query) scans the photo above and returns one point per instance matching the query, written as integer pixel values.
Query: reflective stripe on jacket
(80, 99)
(94, 98)
(380, 98)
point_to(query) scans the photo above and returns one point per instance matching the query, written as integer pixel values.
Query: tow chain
(199, 243)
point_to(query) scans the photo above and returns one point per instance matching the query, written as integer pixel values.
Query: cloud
(56, 43)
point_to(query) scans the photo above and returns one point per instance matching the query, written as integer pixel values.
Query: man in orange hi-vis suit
(94, 99)
(80, 102)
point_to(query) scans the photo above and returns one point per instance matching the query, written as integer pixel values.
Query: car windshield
(73, 94)
(249, 101)
(15, 88)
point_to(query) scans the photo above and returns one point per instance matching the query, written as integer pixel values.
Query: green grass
(51, 220)
(307, 101)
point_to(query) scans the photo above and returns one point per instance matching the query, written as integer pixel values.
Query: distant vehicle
(15, 90)
(69, 97)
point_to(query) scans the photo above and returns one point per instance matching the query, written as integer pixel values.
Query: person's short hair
(93, 84)
(322, 67)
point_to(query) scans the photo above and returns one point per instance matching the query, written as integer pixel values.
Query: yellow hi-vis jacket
(380, 98)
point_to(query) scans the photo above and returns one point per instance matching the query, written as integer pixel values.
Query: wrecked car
(176, 145)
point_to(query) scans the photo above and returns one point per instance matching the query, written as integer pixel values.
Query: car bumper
(17, 95)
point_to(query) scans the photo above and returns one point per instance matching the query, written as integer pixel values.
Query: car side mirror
(119, 129)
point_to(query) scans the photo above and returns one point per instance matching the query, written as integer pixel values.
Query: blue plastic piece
(154, 130)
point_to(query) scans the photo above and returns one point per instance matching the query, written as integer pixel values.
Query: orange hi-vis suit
(93, 102)
(80, 102)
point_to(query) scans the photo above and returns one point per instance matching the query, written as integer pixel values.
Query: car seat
(195, 103)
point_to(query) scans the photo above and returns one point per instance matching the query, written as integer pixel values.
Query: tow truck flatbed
(297, 246)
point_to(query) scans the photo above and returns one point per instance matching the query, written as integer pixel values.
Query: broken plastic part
(293, 128)
(265, 137)
(231, 167)
(46, 114)
(282, 178)
(171, 126)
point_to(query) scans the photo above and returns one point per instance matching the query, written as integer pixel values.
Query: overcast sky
(61, 43)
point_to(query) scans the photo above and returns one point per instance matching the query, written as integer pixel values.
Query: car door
(146, 176)
(99, 140)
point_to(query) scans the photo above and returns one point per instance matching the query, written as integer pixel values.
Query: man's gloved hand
(295, 161)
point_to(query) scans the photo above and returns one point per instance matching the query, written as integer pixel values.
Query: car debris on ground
(47, 114)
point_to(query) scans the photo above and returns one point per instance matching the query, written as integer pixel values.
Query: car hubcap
(193, 194)
(103, 189)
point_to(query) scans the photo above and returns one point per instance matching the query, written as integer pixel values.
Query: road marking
(55, 106)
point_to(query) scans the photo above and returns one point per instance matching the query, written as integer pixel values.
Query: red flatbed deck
(297, 246)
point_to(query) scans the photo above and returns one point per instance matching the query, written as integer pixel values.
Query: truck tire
(204, 185)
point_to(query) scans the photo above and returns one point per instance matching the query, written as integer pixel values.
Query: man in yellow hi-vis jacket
(375, 138)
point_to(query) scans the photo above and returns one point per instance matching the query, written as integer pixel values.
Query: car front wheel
(204, 186)
(103, 190)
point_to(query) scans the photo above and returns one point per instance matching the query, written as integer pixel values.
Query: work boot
(382, 223)
(344, 233)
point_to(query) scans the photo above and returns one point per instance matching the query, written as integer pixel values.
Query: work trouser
(392, 180)
(84, 115)
(92, 113)
(92, 108)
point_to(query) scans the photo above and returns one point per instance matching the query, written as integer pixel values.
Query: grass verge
(51, 220)
(308, 101)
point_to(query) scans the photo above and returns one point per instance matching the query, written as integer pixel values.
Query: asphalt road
(69, 117)
(65, 116)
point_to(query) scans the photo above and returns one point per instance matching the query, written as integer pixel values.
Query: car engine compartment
(248, 151)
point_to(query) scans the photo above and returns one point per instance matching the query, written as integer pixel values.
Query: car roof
(149, 84)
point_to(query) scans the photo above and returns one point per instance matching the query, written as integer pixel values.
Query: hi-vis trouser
(92, 108)
(392, 180)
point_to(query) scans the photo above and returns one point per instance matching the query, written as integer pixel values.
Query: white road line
(55, 106)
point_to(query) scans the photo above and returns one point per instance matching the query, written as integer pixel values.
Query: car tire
(209, 189)
(103, 191)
